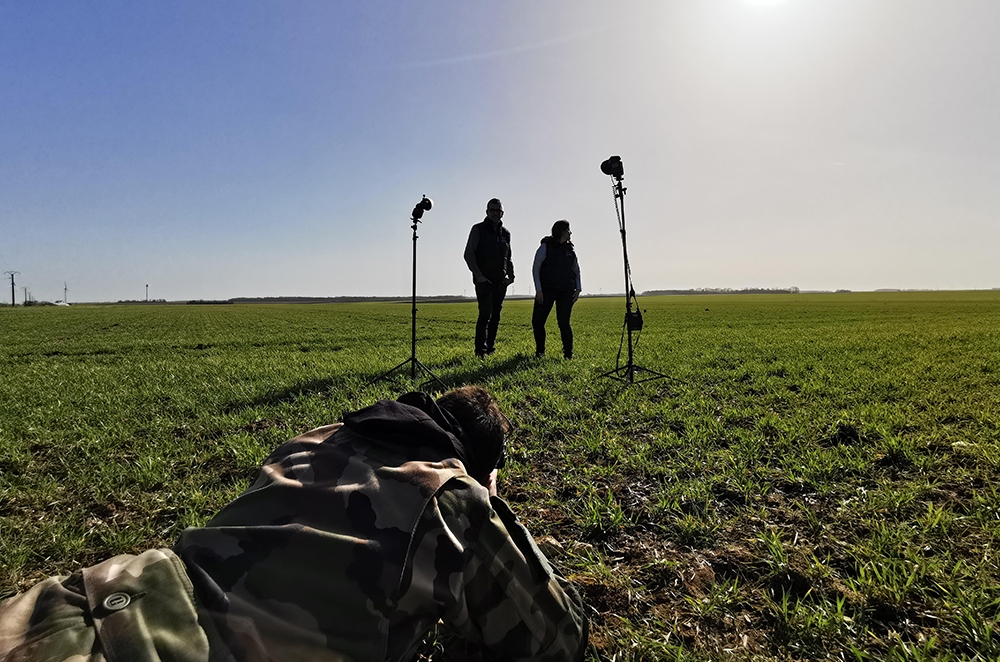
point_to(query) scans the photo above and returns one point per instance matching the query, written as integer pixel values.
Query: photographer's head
(560, 231)
(484, 425)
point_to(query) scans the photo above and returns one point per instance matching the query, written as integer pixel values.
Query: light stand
(418, 211)
(633, 318)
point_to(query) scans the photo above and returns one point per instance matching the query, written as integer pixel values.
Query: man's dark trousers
(540, 313)
(490, 297)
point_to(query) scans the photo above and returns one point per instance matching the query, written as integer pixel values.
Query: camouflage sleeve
(510, 598)
(136, 608)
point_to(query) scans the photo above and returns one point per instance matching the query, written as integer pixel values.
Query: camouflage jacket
(352, 547)
(345, 547)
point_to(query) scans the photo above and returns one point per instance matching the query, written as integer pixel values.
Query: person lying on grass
(351, 543)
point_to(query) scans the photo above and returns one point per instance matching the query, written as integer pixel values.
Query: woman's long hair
(558, 228)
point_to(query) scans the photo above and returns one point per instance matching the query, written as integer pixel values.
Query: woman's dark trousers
(540, 313)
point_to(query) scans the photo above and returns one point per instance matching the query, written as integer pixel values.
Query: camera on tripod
(612, 166)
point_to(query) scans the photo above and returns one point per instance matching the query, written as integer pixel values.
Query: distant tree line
(441, 298)
(726, 290)
(295, 299)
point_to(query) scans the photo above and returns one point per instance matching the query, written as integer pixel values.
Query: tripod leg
(390, 371)
(434, 378)
(413, 320)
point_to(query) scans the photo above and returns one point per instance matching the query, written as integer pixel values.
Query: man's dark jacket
(493, 252)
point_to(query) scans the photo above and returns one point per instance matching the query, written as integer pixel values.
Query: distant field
(816, 481)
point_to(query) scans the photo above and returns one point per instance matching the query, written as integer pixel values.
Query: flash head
(613, 166)
(425, 204)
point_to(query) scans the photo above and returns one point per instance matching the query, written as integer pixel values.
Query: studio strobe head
(613, 166)
(425, 204)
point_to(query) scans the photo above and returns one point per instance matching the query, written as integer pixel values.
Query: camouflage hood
(416, 420)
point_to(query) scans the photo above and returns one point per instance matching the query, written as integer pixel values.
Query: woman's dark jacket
(559, 269)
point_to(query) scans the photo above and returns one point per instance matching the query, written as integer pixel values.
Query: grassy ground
(816, 480)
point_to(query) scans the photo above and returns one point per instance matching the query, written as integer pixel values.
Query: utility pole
(25, 295)
(11, 274)
(147, 292)
(65, 289)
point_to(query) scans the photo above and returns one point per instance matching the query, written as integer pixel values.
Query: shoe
(490, 351)
(480, 355)
(568, 357)
(539, 355)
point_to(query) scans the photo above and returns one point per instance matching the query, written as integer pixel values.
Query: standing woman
(557, 280)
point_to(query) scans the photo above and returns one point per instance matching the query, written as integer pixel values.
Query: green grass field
(817, 480)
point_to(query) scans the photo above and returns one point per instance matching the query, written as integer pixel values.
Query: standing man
(488, 255)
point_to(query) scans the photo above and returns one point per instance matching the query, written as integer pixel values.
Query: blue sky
(224, 149)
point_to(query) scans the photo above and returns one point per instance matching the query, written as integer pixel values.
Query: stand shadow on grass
(482, 371)
(357, 383)
(293, 392)
(466, 372)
